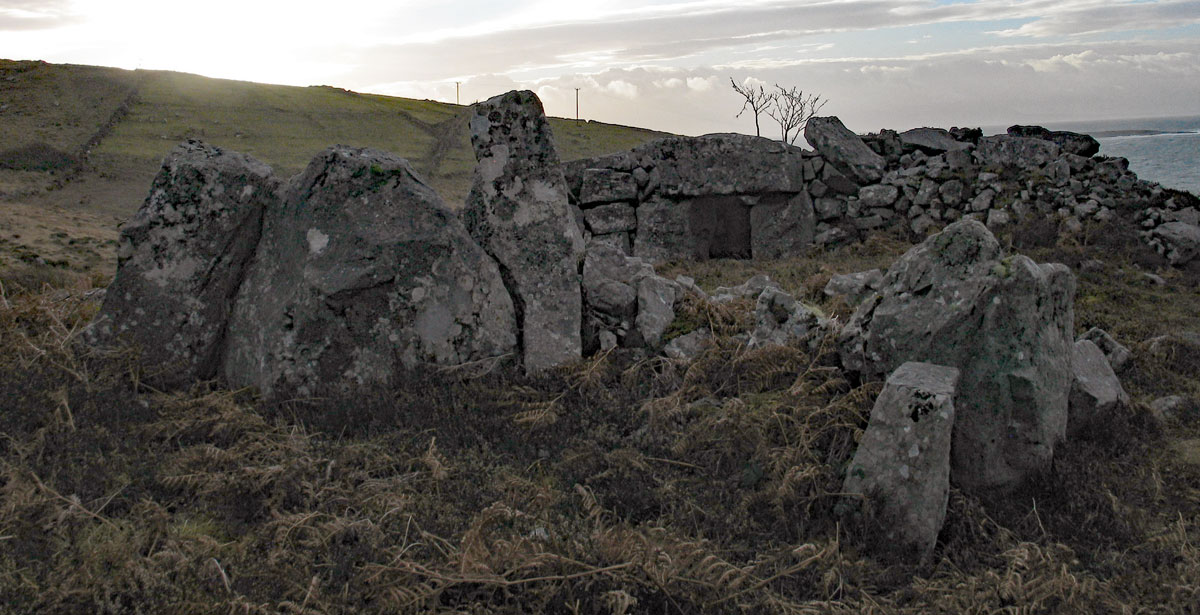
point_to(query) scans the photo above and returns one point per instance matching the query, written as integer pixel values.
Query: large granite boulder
(721, 164)
(1095, 391)
(181, 260)
(1005, 323)
(1010, 151)
(518, 212)
(1070, 142)
(902, 464)
(844, 149)
(362, 273)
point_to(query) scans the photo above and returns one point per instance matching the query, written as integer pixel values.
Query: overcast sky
(666, 64)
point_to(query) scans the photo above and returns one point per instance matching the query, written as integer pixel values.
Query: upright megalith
(361, 273)
(518, 212)
(181, 260)
(903, 461)
(1005, 322)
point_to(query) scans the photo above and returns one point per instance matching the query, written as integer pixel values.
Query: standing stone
(360, 274)
(518, 212)
(782, 226)
(1095, 390)
(181, 260)
(903, 461)
(1005, 322)
(844, 149)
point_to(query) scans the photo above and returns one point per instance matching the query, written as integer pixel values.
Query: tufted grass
(617, 485)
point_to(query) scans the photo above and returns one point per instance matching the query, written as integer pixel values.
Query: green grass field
(85, 142)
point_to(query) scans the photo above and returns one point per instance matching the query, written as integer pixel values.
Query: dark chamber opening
(720, 227)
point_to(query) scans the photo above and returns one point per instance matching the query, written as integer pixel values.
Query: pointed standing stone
(518, 212)
(182, 258)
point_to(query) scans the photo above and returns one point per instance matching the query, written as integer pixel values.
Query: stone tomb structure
(731, 195)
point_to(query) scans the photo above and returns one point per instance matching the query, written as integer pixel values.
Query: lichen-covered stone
(518, 212)
(902, 463)
(360, 274)
(1005, 323)
(181, 261)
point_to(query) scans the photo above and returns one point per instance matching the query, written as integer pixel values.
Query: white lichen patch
(317, 241)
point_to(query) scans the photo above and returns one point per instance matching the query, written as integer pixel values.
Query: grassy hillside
(88, 140)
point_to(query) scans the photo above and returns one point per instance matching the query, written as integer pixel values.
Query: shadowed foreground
(609, 486)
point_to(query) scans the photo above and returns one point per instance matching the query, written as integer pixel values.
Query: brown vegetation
(618, 485)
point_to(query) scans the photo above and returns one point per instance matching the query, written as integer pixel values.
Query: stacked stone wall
(664, 199)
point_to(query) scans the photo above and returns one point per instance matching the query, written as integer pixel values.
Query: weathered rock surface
(625, 298)
(1180, 241)
(656, 298)
(854, 286)
(1118, 355)
(1005, 323)
(610, 218)
(722, 164)
(844, 149)
(931, 141)
(182, 258)
(606, 186)
(360, 274)
(518, 212)
(781, 226)
(902, 463)
(1095, 391)
(781, 320)
(1010, 151)
(689, 345)
(1070, 142)
(664, 231)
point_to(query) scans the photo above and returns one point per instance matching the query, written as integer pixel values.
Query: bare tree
(792, 110)
(757, 100)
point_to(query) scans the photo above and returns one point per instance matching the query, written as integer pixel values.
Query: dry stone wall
(727, 195)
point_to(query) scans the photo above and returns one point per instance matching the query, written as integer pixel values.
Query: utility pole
(576, 104)
(456, 92)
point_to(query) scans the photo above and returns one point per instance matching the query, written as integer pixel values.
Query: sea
(1164, 150)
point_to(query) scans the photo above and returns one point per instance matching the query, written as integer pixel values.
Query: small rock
(1118, 356)
(689, 345)
(854, 286)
